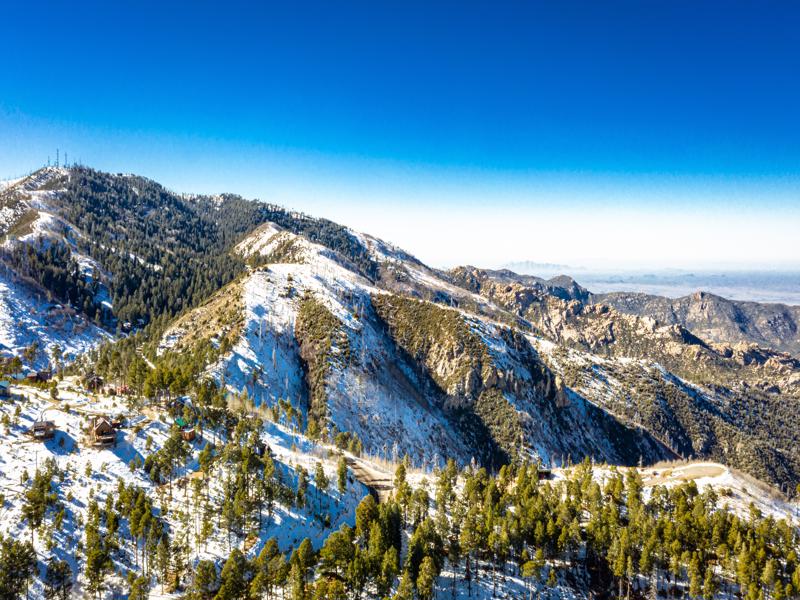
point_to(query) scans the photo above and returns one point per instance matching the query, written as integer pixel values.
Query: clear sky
(640, 133)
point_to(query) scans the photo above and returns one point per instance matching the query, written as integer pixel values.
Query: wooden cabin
(93, 382)
(43, 430)
(187, 430)
(101, 432)
(39, 377)
(5, 389)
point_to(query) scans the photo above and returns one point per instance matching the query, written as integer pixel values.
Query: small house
(101, 432)
(5, 389)
(43, 430)
(39, 376)
(93, 382)
(187, 430)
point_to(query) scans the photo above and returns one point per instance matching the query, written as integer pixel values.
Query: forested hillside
(156, 252)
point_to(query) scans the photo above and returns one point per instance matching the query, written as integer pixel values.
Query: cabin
(93, 382)
(187, 431)
(43, 430)
(5, 389)
(544, 473)
(101, 433)
(39, 376)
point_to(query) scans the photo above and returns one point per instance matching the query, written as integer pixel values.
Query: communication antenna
(56, 157)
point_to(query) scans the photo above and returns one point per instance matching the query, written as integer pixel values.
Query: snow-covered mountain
(32, 320)
(250, 356)
(365, 340)
(477, 389)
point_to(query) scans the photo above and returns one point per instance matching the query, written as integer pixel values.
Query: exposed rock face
(717, 391)
(708, 316)
(717, 319)
(724, 347)
(500, 393)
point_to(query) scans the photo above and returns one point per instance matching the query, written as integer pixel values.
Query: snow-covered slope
(374, 395)
(95, 473)
(394, 402)
(26, 317)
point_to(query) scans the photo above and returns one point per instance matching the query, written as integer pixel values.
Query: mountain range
(367, 342)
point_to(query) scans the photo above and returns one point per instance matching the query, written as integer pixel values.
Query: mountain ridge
(342, 325)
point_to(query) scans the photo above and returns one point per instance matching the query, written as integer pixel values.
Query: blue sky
(593, 133)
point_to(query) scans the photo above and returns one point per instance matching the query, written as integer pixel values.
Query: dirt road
(368, 474)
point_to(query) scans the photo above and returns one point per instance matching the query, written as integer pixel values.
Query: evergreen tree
(17, 566)
(426, 581)
(57, 580)
(234, 578)
(205, 582)
(341, 475)
(139, 589)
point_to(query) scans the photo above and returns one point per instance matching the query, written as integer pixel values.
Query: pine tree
(695, 578)
(57, 580)
(388, 571)
(298, 582)
(98, 561)
(405, 591)
(341, 475)
(366, 513)
(205, 582)
(302, 487)
(426, 579)
(322, 483)
(709, 585)
(163, 557)
(139, 589)
(337, 552)
(234, 585)
(17, 566)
